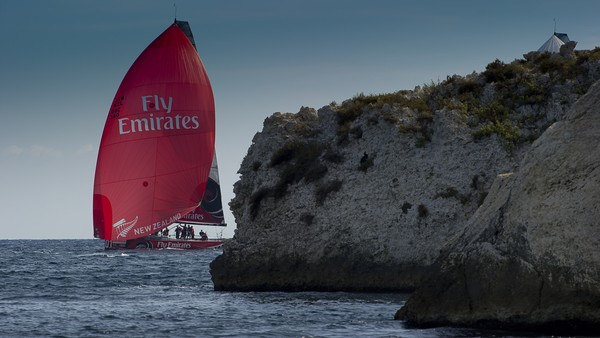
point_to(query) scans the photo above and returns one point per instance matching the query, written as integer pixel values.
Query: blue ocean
(74, 288)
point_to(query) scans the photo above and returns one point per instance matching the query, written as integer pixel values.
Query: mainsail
(158, 142)
(210, 210)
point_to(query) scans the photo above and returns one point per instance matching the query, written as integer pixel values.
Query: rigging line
(175, 6)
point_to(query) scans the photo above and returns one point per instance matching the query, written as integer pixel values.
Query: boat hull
(164, 243)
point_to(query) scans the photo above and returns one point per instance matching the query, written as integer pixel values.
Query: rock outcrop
(374, 220)
(363, 196)
(530, 256)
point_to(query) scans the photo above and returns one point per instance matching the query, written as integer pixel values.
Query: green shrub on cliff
(470, 87)
(510, 133)
(492, 112)
(500, 72)
(297, 161)
(565, 68)
(360, 103)
(297, 152)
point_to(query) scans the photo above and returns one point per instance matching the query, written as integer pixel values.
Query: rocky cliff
(530, 256)
(365, 194)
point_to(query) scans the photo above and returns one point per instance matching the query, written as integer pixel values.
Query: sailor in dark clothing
(183, 232)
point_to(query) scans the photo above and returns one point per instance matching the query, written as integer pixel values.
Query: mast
(210, 210)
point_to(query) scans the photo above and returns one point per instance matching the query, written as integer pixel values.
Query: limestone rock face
(530, 256)
(374, 220)
(363, 196)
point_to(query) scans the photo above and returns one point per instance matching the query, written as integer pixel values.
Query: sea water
(74, 288)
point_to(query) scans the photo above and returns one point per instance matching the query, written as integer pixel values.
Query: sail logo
(123, 227)
(149, 229)
(147, 102)
(155, 104)
(193, 216)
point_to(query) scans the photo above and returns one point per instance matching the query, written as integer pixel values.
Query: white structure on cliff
(554, 43)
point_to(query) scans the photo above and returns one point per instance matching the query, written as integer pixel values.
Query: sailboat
(156, 165)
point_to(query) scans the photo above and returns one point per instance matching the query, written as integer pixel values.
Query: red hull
(164, 243)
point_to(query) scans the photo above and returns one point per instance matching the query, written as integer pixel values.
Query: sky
(62, 61)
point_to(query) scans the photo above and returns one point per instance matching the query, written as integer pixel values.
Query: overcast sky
(62, 61)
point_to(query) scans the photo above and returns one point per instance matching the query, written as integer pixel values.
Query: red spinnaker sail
(158, 142)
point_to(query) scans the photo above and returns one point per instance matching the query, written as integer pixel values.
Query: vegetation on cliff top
(511, 100)
(492, 102)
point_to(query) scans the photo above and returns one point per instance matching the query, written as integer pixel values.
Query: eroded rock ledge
(530, 256)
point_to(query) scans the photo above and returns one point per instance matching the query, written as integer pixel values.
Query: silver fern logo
(123, 227)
